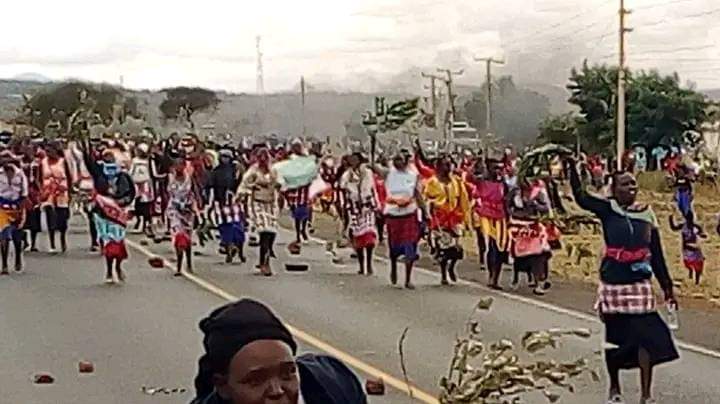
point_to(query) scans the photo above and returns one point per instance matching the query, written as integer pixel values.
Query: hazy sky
(347, 44)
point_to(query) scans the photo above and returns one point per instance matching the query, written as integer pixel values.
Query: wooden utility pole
(433, 94)
(621, 88)
(302, 104)
(449, 118)
(488, 96)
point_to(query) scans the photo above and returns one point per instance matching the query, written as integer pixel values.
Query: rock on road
(145, 333)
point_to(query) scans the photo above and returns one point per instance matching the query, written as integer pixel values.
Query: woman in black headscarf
(636, 335)
(250, 359)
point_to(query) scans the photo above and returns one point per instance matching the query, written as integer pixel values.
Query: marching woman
(626, 302)
(160, 164)
(298, 198)
(489, 216)
(31, 168)
(181, 213)
(531, 251)
(402, 217)
(13, 195)
(85, 188)
(56, 180)
(449, 205)
(224, 180)
(260, 184)
(144, 196)
(358, 185)
(114, 192)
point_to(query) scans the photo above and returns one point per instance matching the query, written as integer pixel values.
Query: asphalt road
(145, 332)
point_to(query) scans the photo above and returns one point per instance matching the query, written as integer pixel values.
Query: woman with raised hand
(636, 335)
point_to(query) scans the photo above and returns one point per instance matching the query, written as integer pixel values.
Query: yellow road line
(309, 339)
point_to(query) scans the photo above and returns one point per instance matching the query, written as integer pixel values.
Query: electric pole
(433, 94)
(260, 80)
(488, 95)
(450, 118)
(302, 102)
(621, 88)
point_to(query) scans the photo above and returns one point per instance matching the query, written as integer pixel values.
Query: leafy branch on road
(483, 373)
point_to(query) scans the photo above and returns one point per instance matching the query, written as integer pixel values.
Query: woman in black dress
(635, 334)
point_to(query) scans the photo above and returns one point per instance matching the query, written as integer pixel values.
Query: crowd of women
(182, 190)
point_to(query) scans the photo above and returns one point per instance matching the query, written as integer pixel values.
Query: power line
(557, 24)
(581, 29)
(666, 20)
(679, 49)
(669, 3)
(691, 59)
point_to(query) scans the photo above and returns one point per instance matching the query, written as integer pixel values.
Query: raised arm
(594, 204)
(674, 226)
(90, 163)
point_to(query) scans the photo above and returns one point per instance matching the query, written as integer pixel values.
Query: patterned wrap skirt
(403, 233)
(181, 222)
(361, 227)
(631, 322)
(263, 216)
(111, 235)
(694, 260)
(232, 226)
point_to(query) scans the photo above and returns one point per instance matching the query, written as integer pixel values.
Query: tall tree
(182, 102)
(54, 105)
(659, 110)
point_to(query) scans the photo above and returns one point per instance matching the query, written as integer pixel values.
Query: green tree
(561, 129)
(516, 111)
(55, 104)
(183, 102)
(659, 110)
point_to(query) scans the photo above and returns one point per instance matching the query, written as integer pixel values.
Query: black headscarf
(227, 330)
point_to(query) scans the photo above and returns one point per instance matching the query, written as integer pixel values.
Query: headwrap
(226, 153)
(230, 328)
(110, 170)
(5, 137)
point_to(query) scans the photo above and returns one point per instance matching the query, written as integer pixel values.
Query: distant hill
(326, 112)
(36, 77)
(713, 94)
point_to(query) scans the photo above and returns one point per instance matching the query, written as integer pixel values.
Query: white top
(13, 188)
(140, 170)
(402, 184)
(359, 185)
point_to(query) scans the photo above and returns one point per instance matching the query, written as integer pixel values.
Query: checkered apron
(634, 298)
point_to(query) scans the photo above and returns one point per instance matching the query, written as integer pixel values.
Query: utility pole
(621, 88)
(488, 97)
(433, 94)
(451, 98)
(302, 100)
(260, 80)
